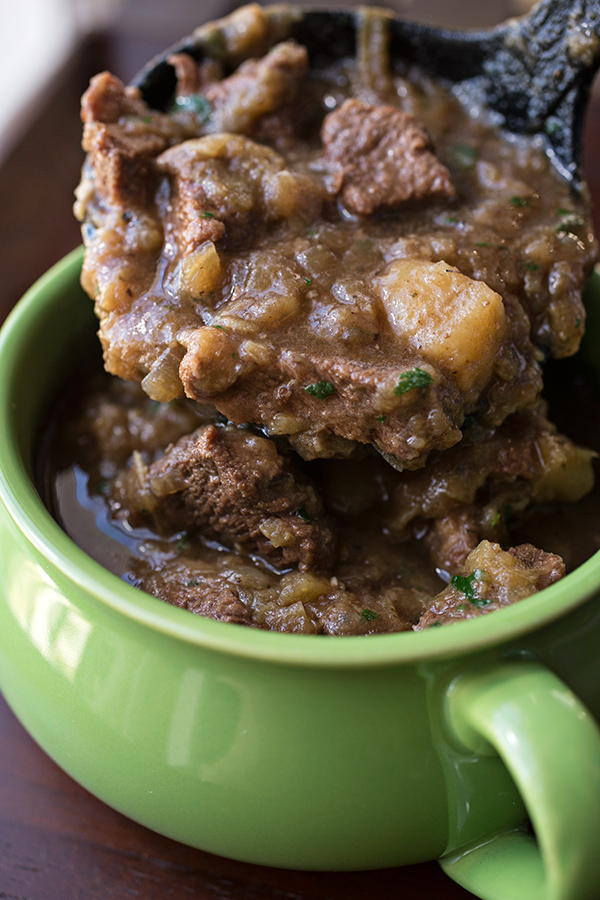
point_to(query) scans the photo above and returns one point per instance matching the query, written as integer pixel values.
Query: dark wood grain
(38, 179)
(57, 842)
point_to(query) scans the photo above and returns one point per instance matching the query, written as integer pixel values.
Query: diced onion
(162, 383)
(201, 270)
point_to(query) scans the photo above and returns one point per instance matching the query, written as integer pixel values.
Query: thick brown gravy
(337, 288)
(382, 575)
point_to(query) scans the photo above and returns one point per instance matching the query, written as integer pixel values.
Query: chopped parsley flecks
(568, 220)
(183, 540)
(321, 390)
(519, 201)
(496, 518)
(382, 418)
(369, 615)
(308, 282)
(412, 380)
(480, 601)
(463, 155)
(194, 103)
(214, 43)
(466, 585)
(301, 512)
(207, 215)
(532, 267)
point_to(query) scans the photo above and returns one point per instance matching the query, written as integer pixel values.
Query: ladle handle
(539, 80)
(534, 72)
(506, 709)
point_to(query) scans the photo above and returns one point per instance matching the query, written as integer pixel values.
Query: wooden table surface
(57, 842)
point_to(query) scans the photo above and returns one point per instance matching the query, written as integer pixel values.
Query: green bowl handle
(550, 744)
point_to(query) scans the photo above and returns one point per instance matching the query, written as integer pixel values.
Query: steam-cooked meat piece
(205, 595)
(257, 100)
(295, 602)
(376, 369)
(122, 136)
(450, 539)
(187, 73)
(118, 419)
(473, 490)
(235, 487)
(107, 100)
(226, 183)
(381, 157)
(258, 88)
(548, 567)
(493, 578)
(322, 402)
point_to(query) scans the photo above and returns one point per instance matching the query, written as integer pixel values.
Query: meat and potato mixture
(339, 288)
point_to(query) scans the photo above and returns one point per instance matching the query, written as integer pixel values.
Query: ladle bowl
(532, 73)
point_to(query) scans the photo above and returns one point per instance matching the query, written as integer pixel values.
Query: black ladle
(533, 73)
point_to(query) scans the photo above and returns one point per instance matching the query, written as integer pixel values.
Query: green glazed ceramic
(295, 750)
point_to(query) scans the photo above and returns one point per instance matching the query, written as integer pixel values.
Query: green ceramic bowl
(294, 750)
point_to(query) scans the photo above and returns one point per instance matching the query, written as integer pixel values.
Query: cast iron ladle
(533, 73)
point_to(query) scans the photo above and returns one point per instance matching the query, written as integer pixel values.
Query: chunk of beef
(258, 88)
(380, 157)
(323, 402)
(107, 100)
(294, 602)
(404, 384)
(451, 538)
(187, 73)
(257, 100)
(548, 567)
(122, 137)
(473, 490)
(228, 183)
(121, 227)
(493, 578)
(235, 487)
(205, 595)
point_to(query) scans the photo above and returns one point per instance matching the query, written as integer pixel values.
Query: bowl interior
(51, 329)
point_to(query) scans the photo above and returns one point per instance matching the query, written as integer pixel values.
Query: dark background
(57, 842)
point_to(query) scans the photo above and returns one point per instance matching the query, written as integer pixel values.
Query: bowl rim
(31, 517)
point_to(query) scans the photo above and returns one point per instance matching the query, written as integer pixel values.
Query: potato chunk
(493, 578)
(201, 270)
(457, 323)
(567, 472)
